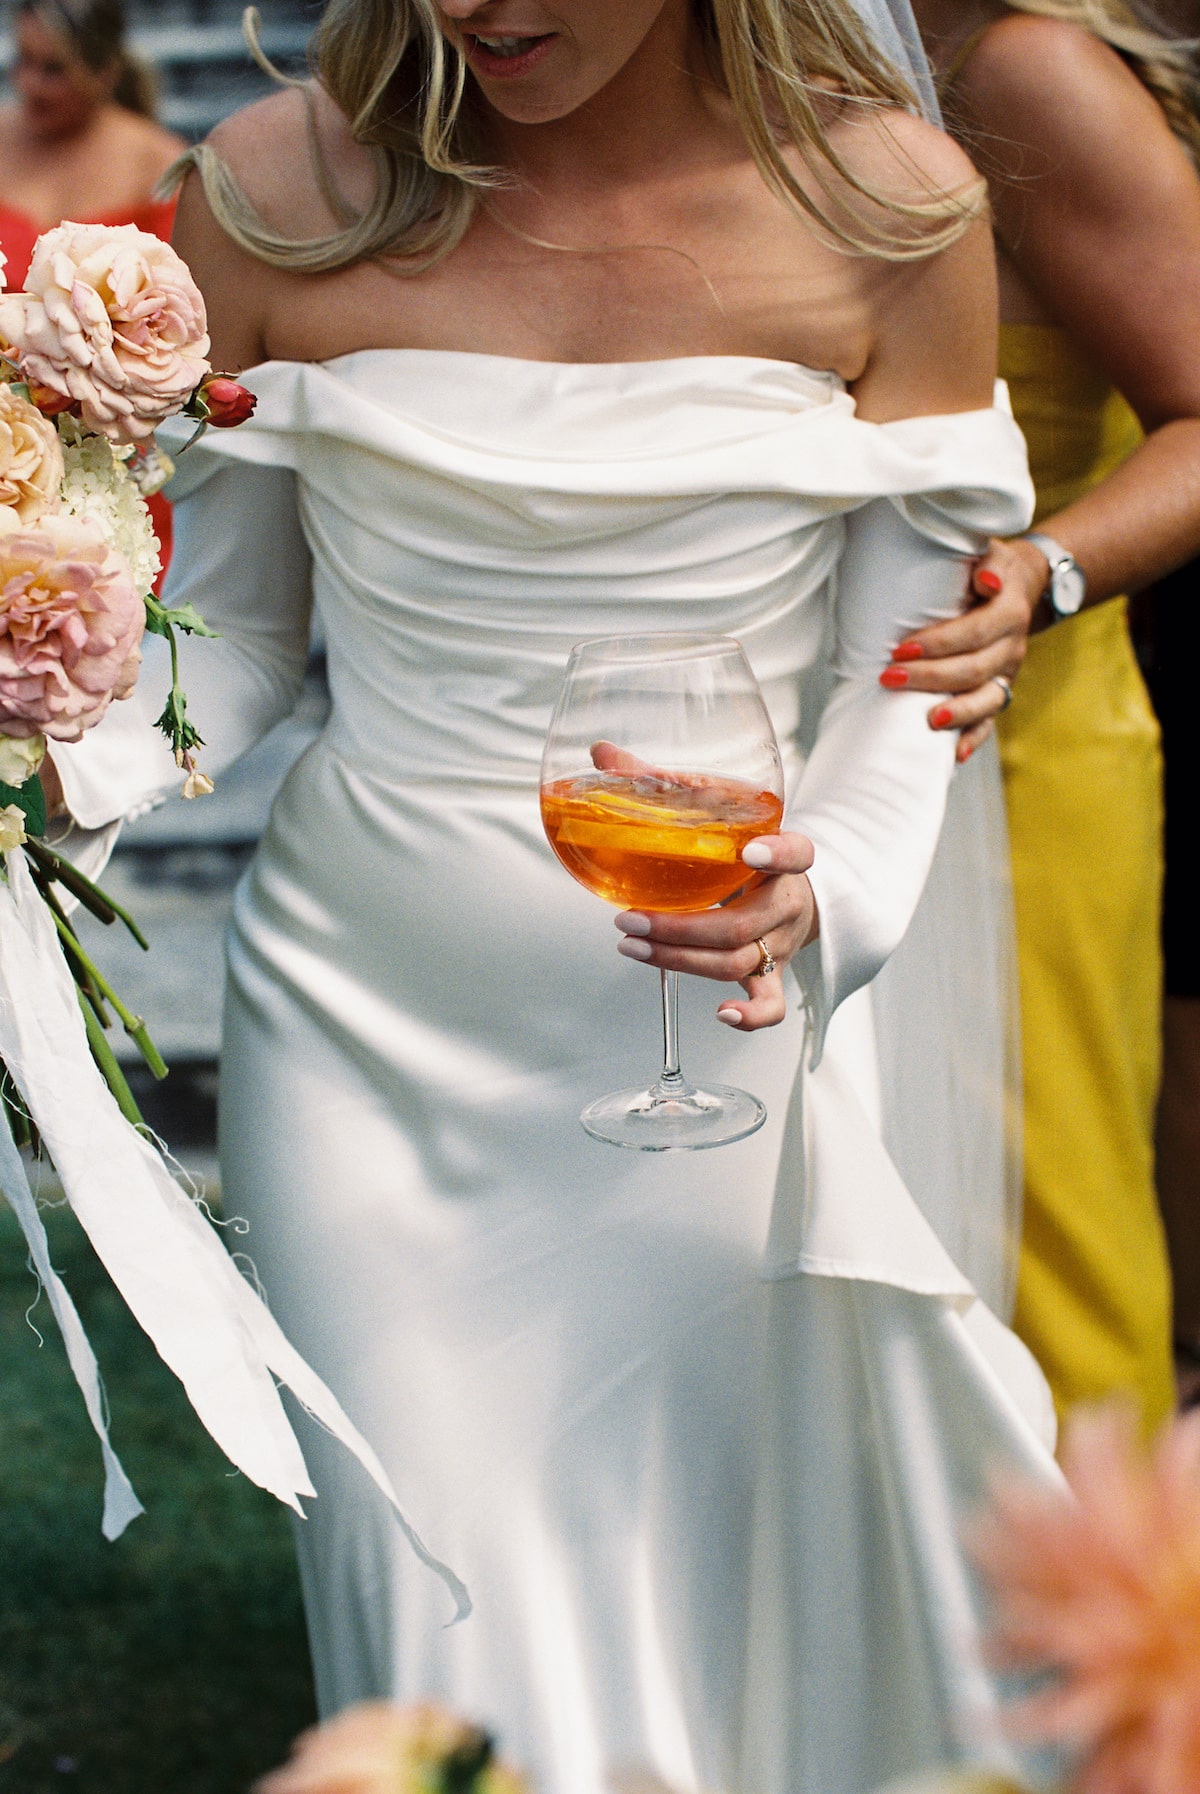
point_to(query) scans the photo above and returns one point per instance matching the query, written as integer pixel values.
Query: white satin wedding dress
(699, 1432)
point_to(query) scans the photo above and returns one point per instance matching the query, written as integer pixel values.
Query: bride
(572, 318)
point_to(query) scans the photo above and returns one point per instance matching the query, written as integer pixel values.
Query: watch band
(1066, 587)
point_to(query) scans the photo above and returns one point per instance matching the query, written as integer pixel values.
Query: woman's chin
(536, 88)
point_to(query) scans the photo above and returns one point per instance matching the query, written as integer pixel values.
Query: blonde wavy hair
(1166, 66)
(402, 85)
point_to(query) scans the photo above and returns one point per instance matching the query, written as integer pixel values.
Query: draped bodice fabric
(441, 504)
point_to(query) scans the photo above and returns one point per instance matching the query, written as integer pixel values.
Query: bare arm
(1097, 208)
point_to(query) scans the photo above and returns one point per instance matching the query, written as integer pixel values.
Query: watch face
(1067, 588)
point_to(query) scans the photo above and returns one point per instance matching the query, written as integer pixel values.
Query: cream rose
(71, 619)
(31, 463)
(111, 319)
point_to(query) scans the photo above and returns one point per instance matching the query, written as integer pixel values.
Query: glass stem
(672, 1082)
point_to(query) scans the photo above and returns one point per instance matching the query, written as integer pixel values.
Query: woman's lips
(500, 56)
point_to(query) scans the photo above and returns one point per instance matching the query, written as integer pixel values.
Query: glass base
(682, 1119)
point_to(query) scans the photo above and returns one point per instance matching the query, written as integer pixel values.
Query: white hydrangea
(97, 485)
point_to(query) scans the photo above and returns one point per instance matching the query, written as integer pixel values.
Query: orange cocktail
(657, 841)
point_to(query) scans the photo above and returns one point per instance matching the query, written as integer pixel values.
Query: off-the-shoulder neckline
(826, 375)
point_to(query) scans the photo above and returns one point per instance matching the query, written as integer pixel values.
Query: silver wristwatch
(1067, 586)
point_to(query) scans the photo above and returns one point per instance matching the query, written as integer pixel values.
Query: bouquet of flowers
(109, 339)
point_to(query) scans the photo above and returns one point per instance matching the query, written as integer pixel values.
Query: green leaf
(188, 618)
(28, 797)
(160, 619)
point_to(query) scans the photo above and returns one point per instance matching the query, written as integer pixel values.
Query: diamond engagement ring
(766, 962)
(1006, 687)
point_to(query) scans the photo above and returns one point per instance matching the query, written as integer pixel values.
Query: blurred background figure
(79, 140)
(1081, 117)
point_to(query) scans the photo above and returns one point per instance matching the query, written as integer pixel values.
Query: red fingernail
(895, 678)
(908, 651)
(988, 582)
(964, 754)
(939, 718)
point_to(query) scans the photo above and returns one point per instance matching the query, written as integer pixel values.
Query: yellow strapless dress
(1083, 776)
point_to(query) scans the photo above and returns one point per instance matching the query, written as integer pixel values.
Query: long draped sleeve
(873, 792)
(241, 558)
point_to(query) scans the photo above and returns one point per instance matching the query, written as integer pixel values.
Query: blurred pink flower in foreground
(113, 322)
(1105, 1590)
(376, 1748)
(71, 620)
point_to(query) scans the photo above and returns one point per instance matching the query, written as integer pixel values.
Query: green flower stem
(18, 1121)
(134, 1026)
(110, 1070)
(101, 905)
(82, 978)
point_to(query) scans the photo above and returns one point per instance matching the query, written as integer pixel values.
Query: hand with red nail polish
(966, 658)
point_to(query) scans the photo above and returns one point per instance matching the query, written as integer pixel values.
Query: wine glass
(660, 765)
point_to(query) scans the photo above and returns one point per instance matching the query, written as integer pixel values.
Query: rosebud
(227, 402)
(20, 757)
(12, 828)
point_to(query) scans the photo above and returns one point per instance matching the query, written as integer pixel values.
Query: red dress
(19, 233)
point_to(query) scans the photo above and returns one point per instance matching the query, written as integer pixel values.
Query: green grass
(172, 1661)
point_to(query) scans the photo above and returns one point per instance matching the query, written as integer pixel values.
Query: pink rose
(111, 320)
(71, 619)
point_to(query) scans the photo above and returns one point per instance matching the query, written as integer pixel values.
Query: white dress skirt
(700, 1432)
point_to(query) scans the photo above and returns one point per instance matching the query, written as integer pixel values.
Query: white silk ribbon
(205, 1320)
(121, 1505)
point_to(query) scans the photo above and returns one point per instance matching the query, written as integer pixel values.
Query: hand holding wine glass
(722, 944)
(660, 769)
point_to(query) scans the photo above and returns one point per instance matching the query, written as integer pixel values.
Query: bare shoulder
(901, 157)
(933, 315)
(1048, 82)
(268, 150)
(1065, 128)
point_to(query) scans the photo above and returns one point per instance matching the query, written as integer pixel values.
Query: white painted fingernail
(634, 949)
(731, 1017)
(632, 921)
(757, 854)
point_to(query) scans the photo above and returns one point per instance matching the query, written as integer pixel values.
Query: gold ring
(766, 960)
(1006, 687)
